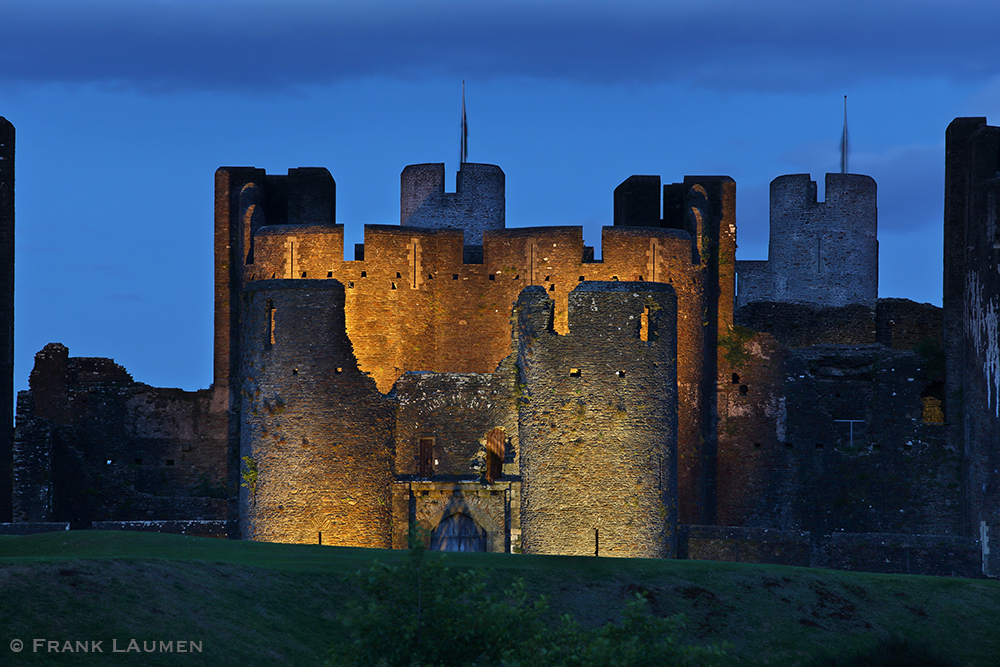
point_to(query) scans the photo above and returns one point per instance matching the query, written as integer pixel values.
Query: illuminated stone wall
(313, 424)
(598, 421)
(415, 302)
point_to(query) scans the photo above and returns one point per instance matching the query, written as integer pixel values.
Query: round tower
(598, 421)
(478, 203)
(316, 435)
(824, 253)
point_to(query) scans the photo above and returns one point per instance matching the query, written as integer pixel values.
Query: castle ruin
(508, 391)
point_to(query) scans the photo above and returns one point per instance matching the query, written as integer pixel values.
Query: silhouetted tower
(6, 316)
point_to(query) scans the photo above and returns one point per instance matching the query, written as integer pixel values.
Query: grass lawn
(251, 603)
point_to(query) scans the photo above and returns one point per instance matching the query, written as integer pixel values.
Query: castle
(510, 392)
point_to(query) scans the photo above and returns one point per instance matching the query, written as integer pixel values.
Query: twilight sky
(125, 108)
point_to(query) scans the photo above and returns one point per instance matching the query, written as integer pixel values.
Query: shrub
(422, 613)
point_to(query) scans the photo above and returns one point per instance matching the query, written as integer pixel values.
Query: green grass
(251, 603)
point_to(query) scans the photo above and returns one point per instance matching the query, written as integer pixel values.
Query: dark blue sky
(125, 108)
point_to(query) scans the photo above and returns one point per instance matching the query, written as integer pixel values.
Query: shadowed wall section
(6, 315)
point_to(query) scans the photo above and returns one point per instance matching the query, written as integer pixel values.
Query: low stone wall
(887, 553)
(939, 555)
(744, 545)
(32, 527)
(196, 528)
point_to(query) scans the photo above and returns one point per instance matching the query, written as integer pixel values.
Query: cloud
(910, 186)
(771, 46)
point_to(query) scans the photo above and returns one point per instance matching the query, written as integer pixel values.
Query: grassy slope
(255, 604)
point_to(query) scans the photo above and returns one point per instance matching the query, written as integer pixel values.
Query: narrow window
(393, 285)
(454, 276)
(398, 275)
(170, 462)
(736, 378)
(350, 284)
(644, 325)
(615, 278)
(494, 454)
(757, 445)
(574, 372)
(339, 370)
(582, 278)
(620, 374)
(493, 276)
(552, 287)
(426, 462)
(364, 274)
(744, 390)
(303, 274)
(269, 335)
(329, 274)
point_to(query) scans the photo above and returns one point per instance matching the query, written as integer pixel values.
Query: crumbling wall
(456, 411)
(971, 307)
(93, 445)
(597, 424)
(316, 448)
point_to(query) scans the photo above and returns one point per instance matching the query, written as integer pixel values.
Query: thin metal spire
(843, 142)
(464, 153)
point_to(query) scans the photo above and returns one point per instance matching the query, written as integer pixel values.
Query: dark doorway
(458, 532)
(426, 457)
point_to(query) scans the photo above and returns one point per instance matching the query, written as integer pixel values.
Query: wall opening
(644, 325)
(269, 334)
(426, 458)
(494, 454)
(458, 532)
(574, 372)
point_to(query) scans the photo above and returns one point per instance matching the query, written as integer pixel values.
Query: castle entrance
(458, 532)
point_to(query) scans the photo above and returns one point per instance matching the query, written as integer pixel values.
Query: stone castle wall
(314, 426)
(477, 205)
(93, 445)
(413, 302)
(6, 315)
(835, 438)
(598, 422)
(820, 253)
(971, 308)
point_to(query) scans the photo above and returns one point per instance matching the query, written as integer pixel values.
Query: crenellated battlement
(478, 203)
(820, 253)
